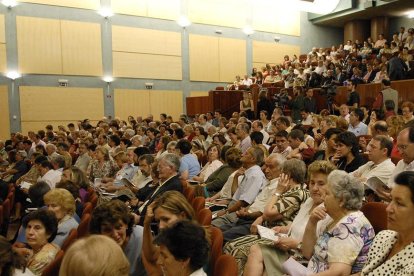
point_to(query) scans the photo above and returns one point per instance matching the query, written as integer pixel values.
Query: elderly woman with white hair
(342, 247)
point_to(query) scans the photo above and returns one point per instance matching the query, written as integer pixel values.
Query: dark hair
(139, 151)
(115, 139)
(385, 143)
(47, 218)
(284, 120)
(359, 113)
(282, 133)
(110, 213)
(411, 134)
(9, 259)
(184, 146)
(41, 158)
(350, 140)
(179, 132)
(36, 193)
(257, 137)
(70, 186)
(332, 131)
(46, 164)
(389, 105)
(149, 158)
(386, 82)
(220, 137)
(297, 134)
(406, 178)
(186, 240)
(126, 142)
(63, 145)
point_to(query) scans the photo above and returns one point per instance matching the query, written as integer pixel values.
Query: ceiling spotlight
(13, 75)
(106, 12)
(183, 21)
(248, 30)
(9, 3)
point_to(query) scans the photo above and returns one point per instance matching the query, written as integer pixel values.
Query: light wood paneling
(4, 113)
(204, 58)
(81, 48)
(135, 65)
(39, 45)
(3, 58)
(164, 9)
(144, 102)
(232, 56)
(146, 41)
(169, 102)
(198, 93)
(132, 7)
(267, 52)
(229, 13)
(54, 104)
(82, 4)
(2, 29)
(35, 126)
(131, 102)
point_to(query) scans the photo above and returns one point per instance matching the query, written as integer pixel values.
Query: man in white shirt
(306, 117)
(258, 126)
(379, 164)
(242, 132)
(282, 143)
(82, 162)
(355, 125)
(48, 174)
(247, 81)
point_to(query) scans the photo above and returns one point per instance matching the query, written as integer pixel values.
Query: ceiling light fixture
(13, 75)
(183, 21)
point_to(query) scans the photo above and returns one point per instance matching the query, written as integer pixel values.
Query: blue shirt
(252, 183)
(190, 163)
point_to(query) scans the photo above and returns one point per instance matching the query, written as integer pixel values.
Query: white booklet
(267, 233)
(25, 185)
(375, 184)
(294, 268)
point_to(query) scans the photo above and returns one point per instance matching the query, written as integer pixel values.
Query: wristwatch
(277, 194)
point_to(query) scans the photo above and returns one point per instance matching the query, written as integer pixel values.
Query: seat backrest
(225, 266)
(216, 245)
(204, 217)
(94, 200)
(83, 227)
(87, 208)
(189, 194)
(71, 238)
(53, 268)
(376, 214)
(198, 203)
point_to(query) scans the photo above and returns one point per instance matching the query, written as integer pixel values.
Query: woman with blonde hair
(167, 209)
(96, 255)
(62, 204)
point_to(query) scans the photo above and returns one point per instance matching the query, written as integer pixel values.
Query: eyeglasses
(402, 147)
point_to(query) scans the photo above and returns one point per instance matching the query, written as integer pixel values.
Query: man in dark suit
(168, 167)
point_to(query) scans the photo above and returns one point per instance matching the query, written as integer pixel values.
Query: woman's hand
(281, 229)
(286, 243)
(284, 184)
(149, 216)
(319, 213)
(253, 227)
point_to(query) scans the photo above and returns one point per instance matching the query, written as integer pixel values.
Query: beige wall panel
(204, 58)
(3, 58)
(169, 102)
(230, 13)
(137, 40)
(165, 9)
(258, 65)
(198, 93)
(83, 4)
(81, 48)
(268, 52)
(132, 7)
(39, 45)
(4, 113)
(131, 102)
(135, 65)
(2, 29)
(35, 126)
(232, 56)
(60, 104)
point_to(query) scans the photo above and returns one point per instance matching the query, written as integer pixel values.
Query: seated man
(356, 126)
(190, 166)
(247, 190)
(282, 143)
(300, 149)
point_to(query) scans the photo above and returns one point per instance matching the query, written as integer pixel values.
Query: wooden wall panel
(268, 52)
(54, 104)
(35, 126)
(204, 58)
(4, 113)
(131, 102)
(232, 57)
(2, 29)
(3, 58)
(39, 45)
(132, 7)
(137, 40)
(199, 94)
(135, 65)
(81, 48)
(169, 102)
(82, 4)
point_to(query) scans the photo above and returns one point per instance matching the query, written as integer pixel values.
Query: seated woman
(218, 178)
(102, 166)
(113, 219)
(347, 156)
(392, 249)
(213, 155)
(342, 247)
(62, 204)
(74, 190)
(167, 209)
(280, 209)
(79, 178)
(330, 150)
(183, 249)
(95, 255)
(267, 258)
(41, 228)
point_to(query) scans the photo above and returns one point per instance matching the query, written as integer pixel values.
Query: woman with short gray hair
(342, 246)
